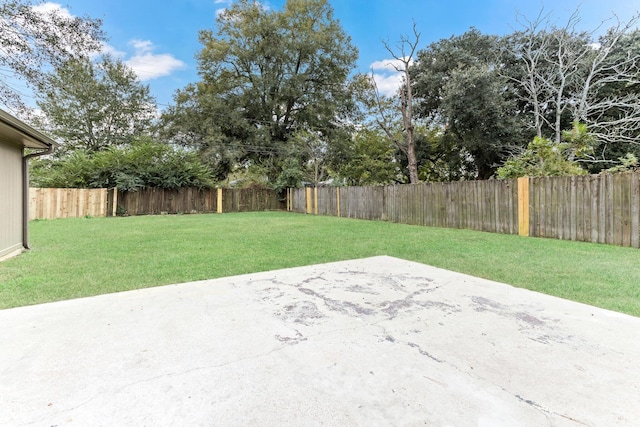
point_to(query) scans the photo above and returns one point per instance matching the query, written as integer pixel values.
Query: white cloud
(48, 9)
(222, 10)
(148, 65)
(389, 65)
(142, 46)
(107, 49)
(386, 75)
(388, 85)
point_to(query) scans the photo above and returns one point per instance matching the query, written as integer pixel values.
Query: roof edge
(28, 131)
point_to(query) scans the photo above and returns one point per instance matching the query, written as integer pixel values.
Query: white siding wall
(10, 198)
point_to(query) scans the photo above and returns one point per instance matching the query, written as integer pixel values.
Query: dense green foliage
(458, 85)
(491, 94)
(139, 165)
(543, 157)
(103, 117)
(91, 106)
(277, 105)
(370, 160)
(136, 252)
(266, 76)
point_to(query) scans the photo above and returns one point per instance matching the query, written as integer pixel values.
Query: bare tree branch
(404, 52)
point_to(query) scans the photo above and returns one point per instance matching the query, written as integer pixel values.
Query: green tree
(458, 87)
(91, 106)
(371, 160)
(265, 75)
(200, 121)
(441, 157)
(35, 37)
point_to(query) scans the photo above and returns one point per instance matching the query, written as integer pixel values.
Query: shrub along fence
(50, 203)
(593, 208)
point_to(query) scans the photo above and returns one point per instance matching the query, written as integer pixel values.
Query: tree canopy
(492, 94)
(34, 38)
(276, 102)
(93, 105)
(265, 76)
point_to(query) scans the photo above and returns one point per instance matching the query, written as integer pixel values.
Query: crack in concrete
(165, 375)
(390, 338)
(424, 352)
(544, 411)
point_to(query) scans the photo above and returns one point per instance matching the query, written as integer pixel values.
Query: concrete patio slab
(377, 341)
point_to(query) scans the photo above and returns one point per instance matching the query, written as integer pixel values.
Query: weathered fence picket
(592, 208)
(50, 203)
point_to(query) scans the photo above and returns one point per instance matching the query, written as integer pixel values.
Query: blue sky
(159, 39)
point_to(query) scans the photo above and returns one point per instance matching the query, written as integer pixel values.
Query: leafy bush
(543, 157)
(143, 164)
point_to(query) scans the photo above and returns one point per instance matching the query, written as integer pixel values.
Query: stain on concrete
(296, 339)
(361, 290)
(344, 307)
(485, 304)
(393, 308)
(303, 312)
(527, 401)
(313, 279)
(527, 318)
(270, 293)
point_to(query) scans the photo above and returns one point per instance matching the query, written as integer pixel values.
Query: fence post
(219, 204)
(307, 198)
(288, 200)
(523, 206)
(315, 200)
(338, 199)
(114, 201)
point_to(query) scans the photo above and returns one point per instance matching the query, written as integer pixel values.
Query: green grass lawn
(89, 256)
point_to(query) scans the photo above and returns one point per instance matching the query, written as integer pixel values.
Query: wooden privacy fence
(477, 205)
(50, 203)
(594, 208)
(152, 201)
